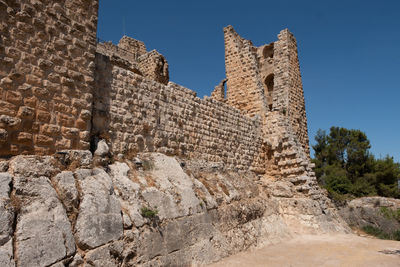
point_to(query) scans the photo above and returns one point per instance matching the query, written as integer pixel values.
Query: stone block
(25, 112)
(65, 120)
(43, 140)
(24, 137)
(8, 108)
(30, 101)
(81, 124)
(9, 122)
(63, 143)
(51, 129)
(3, 135)
(43, 116)
(71, 133)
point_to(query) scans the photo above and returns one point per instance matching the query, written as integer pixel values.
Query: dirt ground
(320, 250)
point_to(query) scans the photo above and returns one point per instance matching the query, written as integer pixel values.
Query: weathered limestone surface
(65, 185)
(61, 213)
(99, 220)
(6, 221)
(43, 233)
(6, 213)
(372, 211)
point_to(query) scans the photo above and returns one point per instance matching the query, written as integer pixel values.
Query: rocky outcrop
(6, 221)
(379, 212)
(154, 210)
(99, 220)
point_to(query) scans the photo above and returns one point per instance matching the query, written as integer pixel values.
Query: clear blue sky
(349, 52)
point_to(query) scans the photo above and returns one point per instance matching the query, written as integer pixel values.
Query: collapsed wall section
(47, 52)
(137, 114)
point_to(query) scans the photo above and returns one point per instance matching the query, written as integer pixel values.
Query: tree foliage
(345, 167)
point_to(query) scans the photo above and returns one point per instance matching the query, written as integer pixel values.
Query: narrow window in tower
(269, 84)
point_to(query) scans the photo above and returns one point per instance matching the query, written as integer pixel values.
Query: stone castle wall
(47, 51)
(136, 114)
(58, 93)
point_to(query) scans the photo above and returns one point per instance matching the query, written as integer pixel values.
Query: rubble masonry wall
(288, 89)
(47, 51)
(137, 114)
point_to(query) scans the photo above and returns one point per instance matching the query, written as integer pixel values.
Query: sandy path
(321, 250)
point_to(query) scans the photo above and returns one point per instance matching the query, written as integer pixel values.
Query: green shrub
(372, 230)
(396, 235)
(379, 233)
(148, 213)
(389, 213)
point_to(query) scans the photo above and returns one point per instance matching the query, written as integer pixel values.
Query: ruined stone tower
(265, 80)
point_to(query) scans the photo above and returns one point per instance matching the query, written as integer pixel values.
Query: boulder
(77, 158)
(99, 220)
(102, 149)
(6, 255)
(176, 184)
(66, 189)
(109, 255)
(128, 193)
(6, 209)
(43, 232)
(33, 166)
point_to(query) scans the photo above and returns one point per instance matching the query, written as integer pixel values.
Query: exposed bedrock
(154, 210)
(379, 212)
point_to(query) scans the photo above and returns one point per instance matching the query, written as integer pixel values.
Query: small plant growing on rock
(16, 203)
(148, 213)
